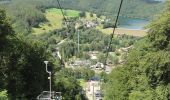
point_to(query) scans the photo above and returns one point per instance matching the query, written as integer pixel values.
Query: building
(93, 54)
(98, 66)
(45, 95)
(81, 63)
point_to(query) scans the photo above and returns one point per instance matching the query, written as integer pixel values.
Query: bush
(91, 14)
(82, 14)
(3, 95)
(108, 25)
(117, 53)
(98, 15)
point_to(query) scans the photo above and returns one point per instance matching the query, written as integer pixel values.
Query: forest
(146, 74)
(22, 68)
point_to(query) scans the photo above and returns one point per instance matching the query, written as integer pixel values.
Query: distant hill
(4, 1)
(131, 8)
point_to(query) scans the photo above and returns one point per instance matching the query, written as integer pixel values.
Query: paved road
(91, 89)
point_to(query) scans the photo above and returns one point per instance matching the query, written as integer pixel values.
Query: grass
(137, 33)
(68, 13)
(54, 17)
(88, 17)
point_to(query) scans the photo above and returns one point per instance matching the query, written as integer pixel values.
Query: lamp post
(93, 90)
(46, 63)
(78, 42)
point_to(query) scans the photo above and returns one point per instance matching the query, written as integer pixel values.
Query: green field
(68, 13)
(121, 31)
(54, 17)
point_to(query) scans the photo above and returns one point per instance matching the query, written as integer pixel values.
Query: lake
(132, 23)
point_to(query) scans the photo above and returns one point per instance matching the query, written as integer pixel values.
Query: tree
(145, 75)
(82, 14)
(78, 73)
(25, 14)
(101, 58)
(104, 77)
(160, 39)
(65, 12)
(3, 95)
(5, 29)
(108, 25)
(69, 87)
(68, 49)
(26, 76)
(22, 69)
(5, 33)
(113, 59)
(86, 56)
(91, 14)
(99, 15)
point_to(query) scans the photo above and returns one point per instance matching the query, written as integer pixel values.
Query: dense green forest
(146, 74)
(131, 8)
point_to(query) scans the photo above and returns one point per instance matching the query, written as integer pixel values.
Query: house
(81, 63)
(98, 66)
(90, 24)
(93, 54)
(107, 20)
(45, 95)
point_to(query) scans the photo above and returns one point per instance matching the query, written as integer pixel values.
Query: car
(99, 98)
(98, 95)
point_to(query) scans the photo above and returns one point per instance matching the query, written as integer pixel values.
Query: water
(160, 0)
(132, 23)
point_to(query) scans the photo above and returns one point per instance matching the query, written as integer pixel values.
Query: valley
(64, 49)
(55, 21)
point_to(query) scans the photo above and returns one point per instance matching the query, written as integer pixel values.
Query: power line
(63, 14)
(111, 38)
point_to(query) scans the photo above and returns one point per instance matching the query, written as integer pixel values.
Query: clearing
(119, 31)
(55, 18)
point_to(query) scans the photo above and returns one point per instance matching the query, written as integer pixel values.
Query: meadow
(55, 18)
(119, 31)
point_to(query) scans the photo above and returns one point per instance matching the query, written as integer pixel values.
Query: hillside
(146, 73)
(131, 8)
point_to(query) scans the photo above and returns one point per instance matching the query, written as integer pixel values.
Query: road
(91, 89)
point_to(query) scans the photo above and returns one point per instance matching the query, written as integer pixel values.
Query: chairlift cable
(63, 14)
(112, 35)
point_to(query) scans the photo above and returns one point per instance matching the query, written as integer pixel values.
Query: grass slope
(68, 13)
(54, 17)
(119, 31)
